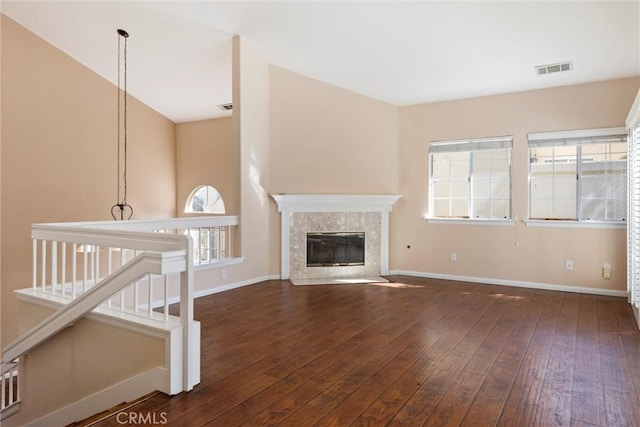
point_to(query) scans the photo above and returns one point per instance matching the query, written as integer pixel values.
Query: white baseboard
(235, 285)
(516, 283)
(125, 391)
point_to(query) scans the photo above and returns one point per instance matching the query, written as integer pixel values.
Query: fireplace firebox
(335, 249)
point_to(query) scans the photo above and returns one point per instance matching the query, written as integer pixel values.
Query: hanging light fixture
(122, 210)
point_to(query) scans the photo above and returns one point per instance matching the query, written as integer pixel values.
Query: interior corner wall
(59, 152)
(204, 156)
(251, 158)
(327, 140)
(517, 252)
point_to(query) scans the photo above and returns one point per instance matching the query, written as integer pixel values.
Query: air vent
(226, 107)
(554, 68)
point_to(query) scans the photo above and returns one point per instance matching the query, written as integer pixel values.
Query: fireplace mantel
(289, 204)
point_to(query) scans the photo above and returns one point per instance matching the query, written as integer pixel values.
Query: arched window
(205, 199)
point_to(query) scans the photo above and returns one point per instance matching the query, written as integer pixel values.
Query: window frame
(471, 146)
(194, 192)
(573, 137)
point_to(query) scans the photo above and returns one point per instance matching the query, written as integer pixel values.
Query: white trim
(125, 391)
(334, 202)
(285, 244)
(470, 221)
(129, 322)
(582, 133)
(223, 262)
(230, 286)
(551, 223)
(147, 224)
(515, 283)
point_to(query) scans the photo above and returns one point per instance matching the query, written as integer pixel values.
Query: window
(205, 199)
(471, 179)
(578, 176)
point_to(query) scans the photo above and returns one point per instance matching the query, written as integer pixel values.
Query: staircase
(101, 292)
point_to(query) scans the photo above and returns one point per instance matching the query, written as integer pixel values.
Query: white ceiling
(401, 52)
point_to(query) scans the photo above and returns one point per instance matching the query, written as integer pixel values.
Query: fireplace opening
(335, 249)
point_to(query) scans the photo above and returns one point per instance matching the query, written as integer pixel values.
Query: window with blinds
(580, 175)
(470, 178)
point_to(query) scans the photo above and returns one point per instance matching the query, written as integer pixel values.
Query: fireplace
(341, 219)
(335, 249)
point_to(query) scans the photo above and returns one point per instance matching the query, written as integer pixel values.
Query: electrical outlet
(454, 257)
(606, 270)
(568, 265)
(223, 274)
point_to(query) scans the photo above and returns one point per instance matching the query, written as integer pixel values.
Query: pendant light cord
(118, 124)
(124, 175)
(121, 208)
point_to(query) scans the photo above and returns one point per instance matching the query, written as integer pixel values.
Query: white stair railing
(83, 265)
(10, 391)
(69, 265)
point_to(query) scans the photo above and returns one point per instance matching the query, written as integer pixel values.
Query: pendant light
(122, 210)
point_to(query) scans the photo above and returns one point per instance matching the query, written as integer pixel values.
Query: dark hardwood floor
(415, 352)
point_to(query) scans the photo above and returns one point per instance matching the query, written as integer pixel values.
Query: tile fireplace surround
(306, 213)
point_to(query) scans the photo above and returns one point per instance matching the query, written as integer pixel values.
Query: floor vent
(554, 68)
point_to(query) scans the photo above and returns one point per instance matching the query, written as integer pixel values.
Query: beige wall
(324, 139)
(251, 136)
(59, 152)
(204, 156)
(327, 140)
(83, 356)
(517, 252)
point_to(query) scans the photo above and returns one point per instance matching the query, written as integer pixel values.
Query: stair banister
(147, 262)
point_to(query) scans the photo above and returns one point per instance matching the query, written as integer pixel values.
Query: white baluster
(35, 266)
(54, 266)
(123, 256)
(166, 298)
(3, 392)
(74, 270)
(109, 268)
(109, 261)
(44, 264)
(10, 386)
(85, 267)
(17, 385)
(63, 265)
(150, 304)
(97, 263)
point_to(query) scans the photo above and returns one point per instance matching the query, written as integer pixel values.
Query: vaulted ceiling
(400, 52)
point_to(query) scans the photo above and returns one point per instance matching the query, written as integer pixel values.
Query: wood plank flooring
(414, 352)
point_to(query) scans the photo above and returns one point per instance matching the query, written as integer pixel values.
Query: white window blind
(633, 207)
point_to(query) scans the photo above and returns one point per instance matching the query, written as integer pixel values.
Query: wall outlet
(606, 270)
(454, 257)
(568, 265)
(223, 274)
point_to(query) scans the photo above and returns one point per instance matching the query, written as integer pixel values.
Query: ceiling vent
(226, 107)
(554, 68)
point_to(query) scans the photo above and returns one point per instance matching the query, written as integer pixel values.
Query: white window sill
(471, 221)
(575, 224)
